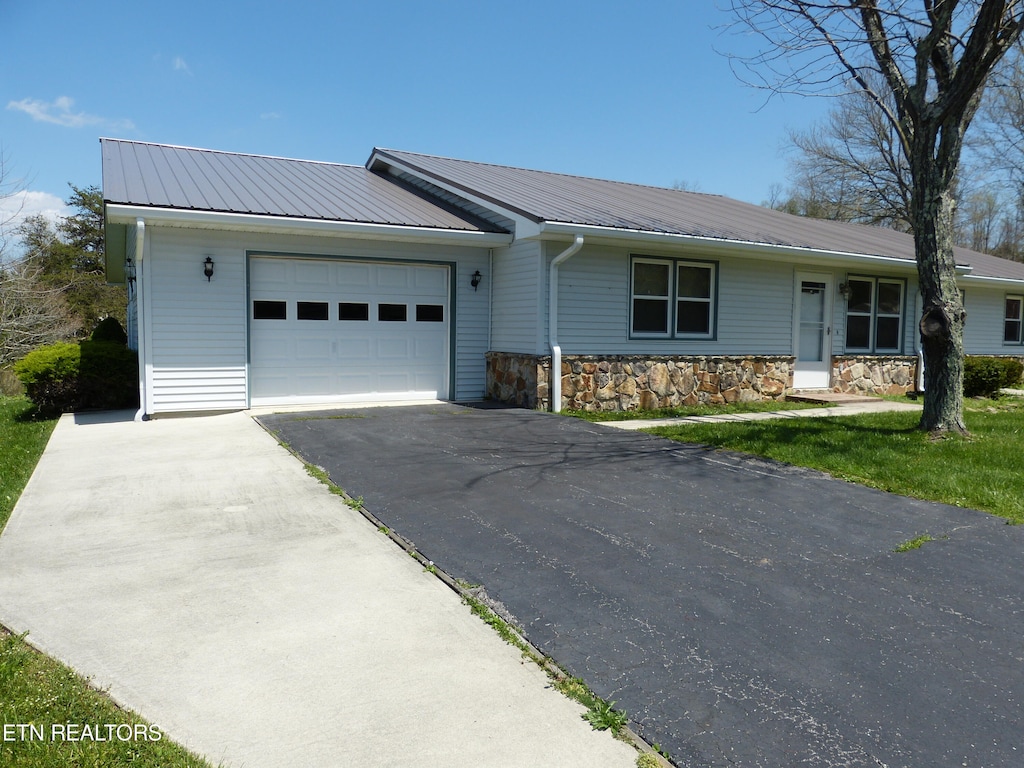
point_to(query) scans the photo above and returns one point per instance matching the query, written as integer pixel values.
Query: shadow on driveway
(742, 612)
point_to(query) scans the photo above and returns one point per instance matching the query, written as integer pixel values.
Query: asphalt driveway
(741, 612)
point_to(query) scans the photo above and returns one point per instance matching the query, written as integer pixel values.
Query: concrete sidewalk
(195, 570)
(852, 409)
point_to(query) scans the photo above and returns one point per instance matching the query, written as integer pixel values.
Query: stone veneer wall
(874, 375)
(518, 379)
(630, 382)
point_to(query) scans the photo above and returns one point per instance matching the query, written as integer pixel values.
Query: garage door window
(270, 310)
(429, 313)
(391, 313)
(311, 310)
(353, 311)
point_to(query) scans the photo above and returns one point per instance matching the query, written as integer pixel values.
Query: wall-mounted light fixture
(129, 270)
(844, 290)
(475, 279)
(208, 268)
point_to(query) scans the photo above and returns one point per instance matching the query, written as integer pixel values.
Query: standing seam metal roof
(163, 176)
(559, 198)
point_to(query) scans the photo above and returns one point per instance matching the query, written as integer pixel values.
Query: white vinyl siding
(519, 298)
(754, 312)
(195, 327)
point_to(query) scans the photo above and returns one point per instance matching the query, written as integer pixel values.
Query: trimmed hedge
(985, 376)
(93, 375)
(109, 329)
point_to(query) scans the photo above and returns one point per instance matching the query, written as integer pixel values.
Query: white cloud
(60, 111)
(18, 206)
(180, 65)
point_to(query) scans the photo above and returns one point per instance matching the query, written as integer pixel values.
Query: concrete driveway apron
(742, 612)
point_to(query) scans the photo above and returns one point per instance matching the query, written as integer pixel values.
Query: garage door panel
(393, 349)
(428, 349)
(349, 276)
(312, 273)
(313, 350)
(354, 350)
(393, 278)
(264, 350)
(352, 354)
(430, 283)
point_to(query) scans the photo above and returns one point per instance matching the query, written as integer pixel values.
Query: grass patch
(22, 440)
(915, 543)
(693, 410)
(887, 451)
(39, 694)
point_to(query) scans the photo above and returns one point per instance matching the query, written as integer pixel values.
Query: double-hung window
(671, 298)
(1012, 320)
(874, 315)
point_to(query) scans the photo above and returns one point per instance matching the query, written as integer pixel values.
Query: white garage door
(343, 330)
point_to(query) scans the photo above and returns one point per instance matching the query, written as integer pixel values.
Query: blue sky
(627, 91)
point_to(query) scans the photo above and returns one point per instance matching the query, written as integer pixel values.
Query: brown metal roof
(559, 198)
(162, 176)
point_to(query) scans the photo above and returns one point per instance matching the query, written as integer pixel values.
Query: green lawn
(45, 707)
(22, 440)
(886, 450)
(692, 410)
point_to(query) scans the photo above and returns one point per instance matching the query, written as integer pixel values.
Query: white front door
(812, 331)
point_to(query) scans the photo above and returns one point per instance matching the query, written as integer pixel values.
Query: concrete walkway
(195, 570)
(851, 409)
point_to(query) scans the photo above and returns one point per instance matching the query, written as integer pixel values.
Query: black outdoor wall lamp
(475, 279)
(844, 290)
(208, 268)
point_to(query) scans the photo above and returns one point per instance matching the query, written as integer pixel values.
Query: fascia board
(996, 281)
(631, 238)
(173, 217)
(524, 225)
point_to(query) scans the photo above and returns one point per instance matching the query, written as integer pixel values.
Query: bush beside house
(99, 374)
(985, 376)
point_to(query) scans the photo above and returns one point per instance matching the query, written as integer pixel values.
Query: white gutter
(734, 247)
(555, 375)
(174, 217)
(142, 326)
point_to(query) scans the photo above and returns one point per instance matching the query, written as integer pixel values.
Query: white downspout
(555, 375)
(140, 323)
(920, 348)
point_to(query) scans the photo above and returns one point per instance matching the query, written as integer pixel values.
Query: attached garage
(342, 329)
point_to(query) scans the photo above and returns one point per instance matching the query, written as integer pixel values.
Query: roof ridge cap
(549, 173)
(228, 152)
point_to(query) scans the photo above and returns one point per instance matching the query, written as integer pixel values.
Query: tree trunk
(943, 316)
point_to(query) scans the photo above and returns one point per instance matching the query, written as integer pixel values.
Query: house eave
(997, 281)
(634, 237)
(175, 217)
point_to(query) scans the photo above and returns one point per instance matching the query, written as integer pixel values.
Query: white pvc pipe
(141, 326)
(555, 385)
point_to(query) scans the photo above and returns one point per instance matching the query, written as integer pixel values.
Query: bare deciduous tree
(925, 68)
(32, 313)
(852, 166)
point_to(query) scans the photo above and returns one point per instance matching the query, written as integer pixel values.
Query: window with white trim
(874, 315)
(670, 298)
(1012, 320)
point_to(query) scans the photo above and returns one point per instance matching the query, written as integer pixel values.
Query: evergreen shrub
(985, 376)
(93, 375)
